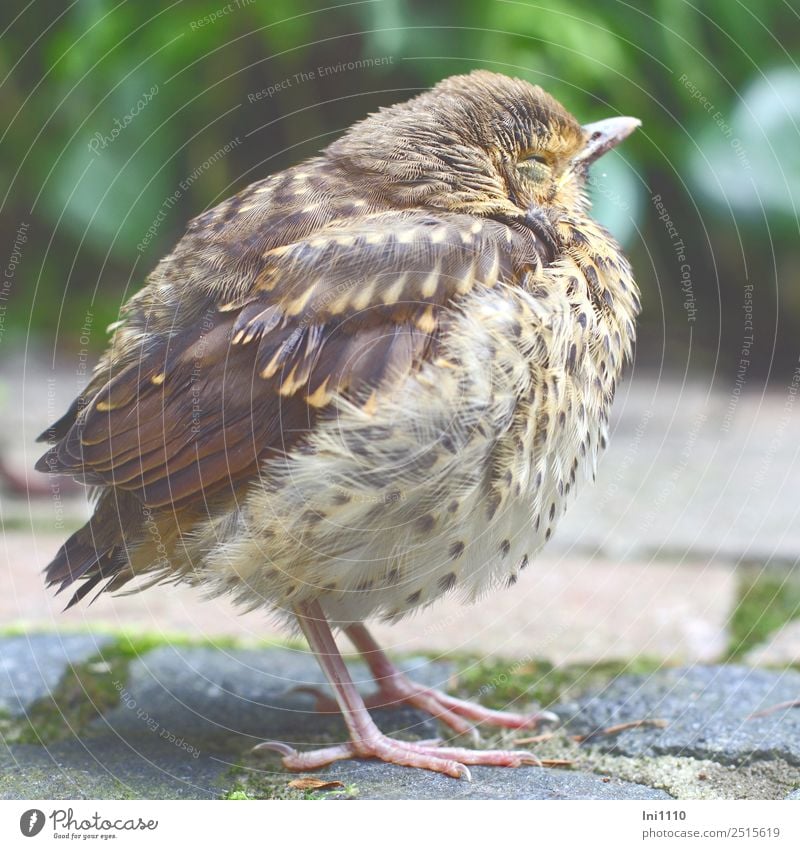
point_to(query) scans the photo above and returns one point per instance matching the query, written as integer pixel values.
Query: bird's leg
(394, 686)
(366, 739)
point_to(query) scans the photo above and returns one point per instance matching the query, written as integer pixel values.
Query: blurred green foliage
(109, 107)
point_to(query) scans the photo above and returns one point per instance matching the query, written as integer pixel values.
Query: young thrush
(369, 380)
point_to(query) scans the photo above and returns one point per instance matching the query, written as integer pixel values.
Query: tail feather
(88, 585)
(93, 553)
(77, 556)
(60, 428)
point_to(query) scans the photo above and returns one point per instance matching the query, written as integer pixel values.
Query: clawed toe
(427, 754)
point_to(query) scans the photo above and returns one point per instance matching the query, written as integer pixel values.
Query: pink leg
(366, 739)
(394, 688)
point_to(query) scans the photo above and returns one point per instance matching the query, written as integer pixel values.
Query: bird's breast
(454, 480)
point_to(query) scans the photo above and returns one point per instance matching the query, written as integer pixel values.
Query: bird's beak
(601, 136)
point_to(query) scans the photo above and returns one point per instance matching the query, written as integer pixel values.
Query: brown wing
(349, 310)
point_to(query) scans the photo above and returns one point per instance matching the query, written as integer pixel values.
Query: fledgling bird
(364, 382)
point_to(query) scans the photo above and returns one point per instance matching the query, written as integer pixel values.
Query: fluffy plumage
(368, 380)
(362, 383)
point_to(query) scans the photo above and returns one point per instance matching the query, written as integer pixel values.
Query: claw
(274, 746)
(547, 716)
(427, 754)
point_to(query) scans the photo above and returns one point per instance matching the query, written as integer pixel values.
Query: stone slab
(188, 716)
(375, 780)
(780, 649)
(106, 768)
(709, 713)
(226, 701)
(31, 666)
(566, 608)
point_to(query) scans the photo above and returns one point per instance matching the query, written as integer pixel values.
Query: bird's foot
(459, 715)
(448, 760)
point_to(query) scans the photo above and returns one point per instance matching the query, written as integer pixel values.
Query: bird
(362, 383)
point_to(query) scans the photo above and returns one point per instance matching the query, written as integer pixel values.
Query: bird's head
(479, 144)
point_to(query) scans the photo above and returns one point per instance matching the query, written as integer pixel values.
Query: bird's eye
(535, 168)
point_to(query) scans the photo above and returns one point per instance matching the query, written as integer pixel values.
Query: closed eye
(535, 168)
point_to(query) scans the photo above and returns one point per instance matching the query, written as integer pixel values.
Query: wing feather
(351, 309)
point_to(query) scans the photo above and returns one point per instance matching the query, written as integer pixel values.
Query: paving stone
(781, 649)
(375, 780)
(708, 711)
(187, 716)
(31, 666)
(216, 698)
(697, 778)
(575, 609)
(106, 768)
(691, 472)
(566, 609)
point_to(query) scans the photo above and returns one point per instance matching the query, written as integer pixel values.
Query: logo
(31, 822)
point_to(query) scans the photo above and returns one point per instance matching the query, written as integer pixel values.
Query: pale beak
(601, 136)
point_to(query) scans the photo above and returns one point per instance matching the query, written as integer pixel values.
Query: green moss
(504, 685)
(85, 692)
(250, 780)
(766, 602)
(253, 784)
(237, 795)
(132, 645)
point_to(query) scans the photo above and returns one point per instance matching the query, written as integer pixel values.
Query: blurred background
(120, 123)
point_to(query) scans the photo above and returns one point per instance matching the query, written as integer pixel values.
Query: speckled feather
(369, 380)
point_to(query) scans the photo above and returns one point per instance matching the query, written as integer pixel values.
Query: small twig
(775, 708)
(314, 784)
(623, 726)
(555, 762)
(540, 738)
